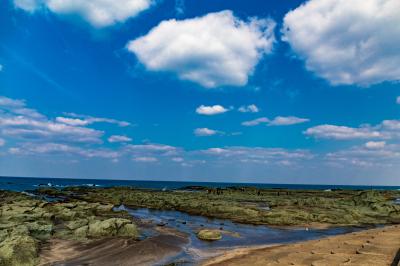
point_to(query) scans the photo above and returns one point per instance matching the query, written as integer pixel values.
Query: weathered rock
(72, 225)
(112, 227)
(19, 251)
(209, 235)
(128, 230)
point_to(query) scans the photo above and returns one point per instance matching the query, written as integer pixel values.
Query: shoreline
(90, 225)
(378, 246)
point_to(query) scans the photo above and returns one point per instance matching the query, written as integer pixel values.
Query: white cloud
(391, 124)
(99, 13)
(376, 155)
(387, 129)
(2, 142)
(252, 108)
(119, 138)
(347, 42)
(151, 148)
(255, 122)
(398, 100)
(375, 144)
(63, 150)
(287, 121)
(20, 122)
(277, 156)
(76, 120)
(342, 132)
(277, 121)
(145, 159)
(211, 110)
(205, 132)
(72, 121)
(217, 49)
(11, 103)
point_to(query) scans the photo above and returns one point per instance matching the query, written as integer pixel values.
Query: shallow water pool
(234, 234)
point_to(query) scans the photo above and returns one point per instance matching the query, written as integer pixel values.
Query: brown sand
(372, 247)
(112, 251)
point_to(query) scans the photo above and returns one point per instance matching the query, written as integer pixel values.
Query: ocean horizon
(31, 183)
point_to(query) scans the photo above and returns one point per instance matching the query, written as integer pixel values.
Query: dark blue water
(23, 183)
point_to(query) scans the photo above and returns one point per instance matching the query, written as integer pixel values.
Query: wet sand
(365, 248)
(112, 251)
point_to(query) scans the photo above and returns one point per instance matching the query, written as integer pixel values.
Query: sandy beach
(365, 248)
(111, 251)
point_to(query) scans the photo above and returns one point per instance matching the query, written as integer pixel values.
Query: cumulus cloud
(398, 100)
(211, 110)
(205, 132)
(252, 108)
(119, 138)
(347, 42)
(99, 13)
(277, 121)
(287, 121)
(217, 49)
(2, 142)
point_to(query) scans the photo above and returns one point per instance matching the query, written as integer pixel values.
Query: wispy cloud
(119, 138)
(206, 132)
(76, 119)
(252, 108)
(255, 122)
(145, 159)
(387, 129)
(277, 121)
(287, 121)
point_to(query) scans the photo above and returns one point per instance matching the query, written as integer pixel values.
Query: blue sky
(212, 90)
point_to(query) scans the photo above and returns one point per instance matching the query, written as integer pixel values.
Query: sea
(31, 183)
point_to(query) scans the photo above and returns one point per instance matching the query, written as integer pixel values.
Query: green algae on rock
(26, 222)
(209, 235)
(281, 207)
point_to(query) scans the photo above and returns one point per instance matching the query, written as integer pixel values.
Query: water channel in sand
(235, 235)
